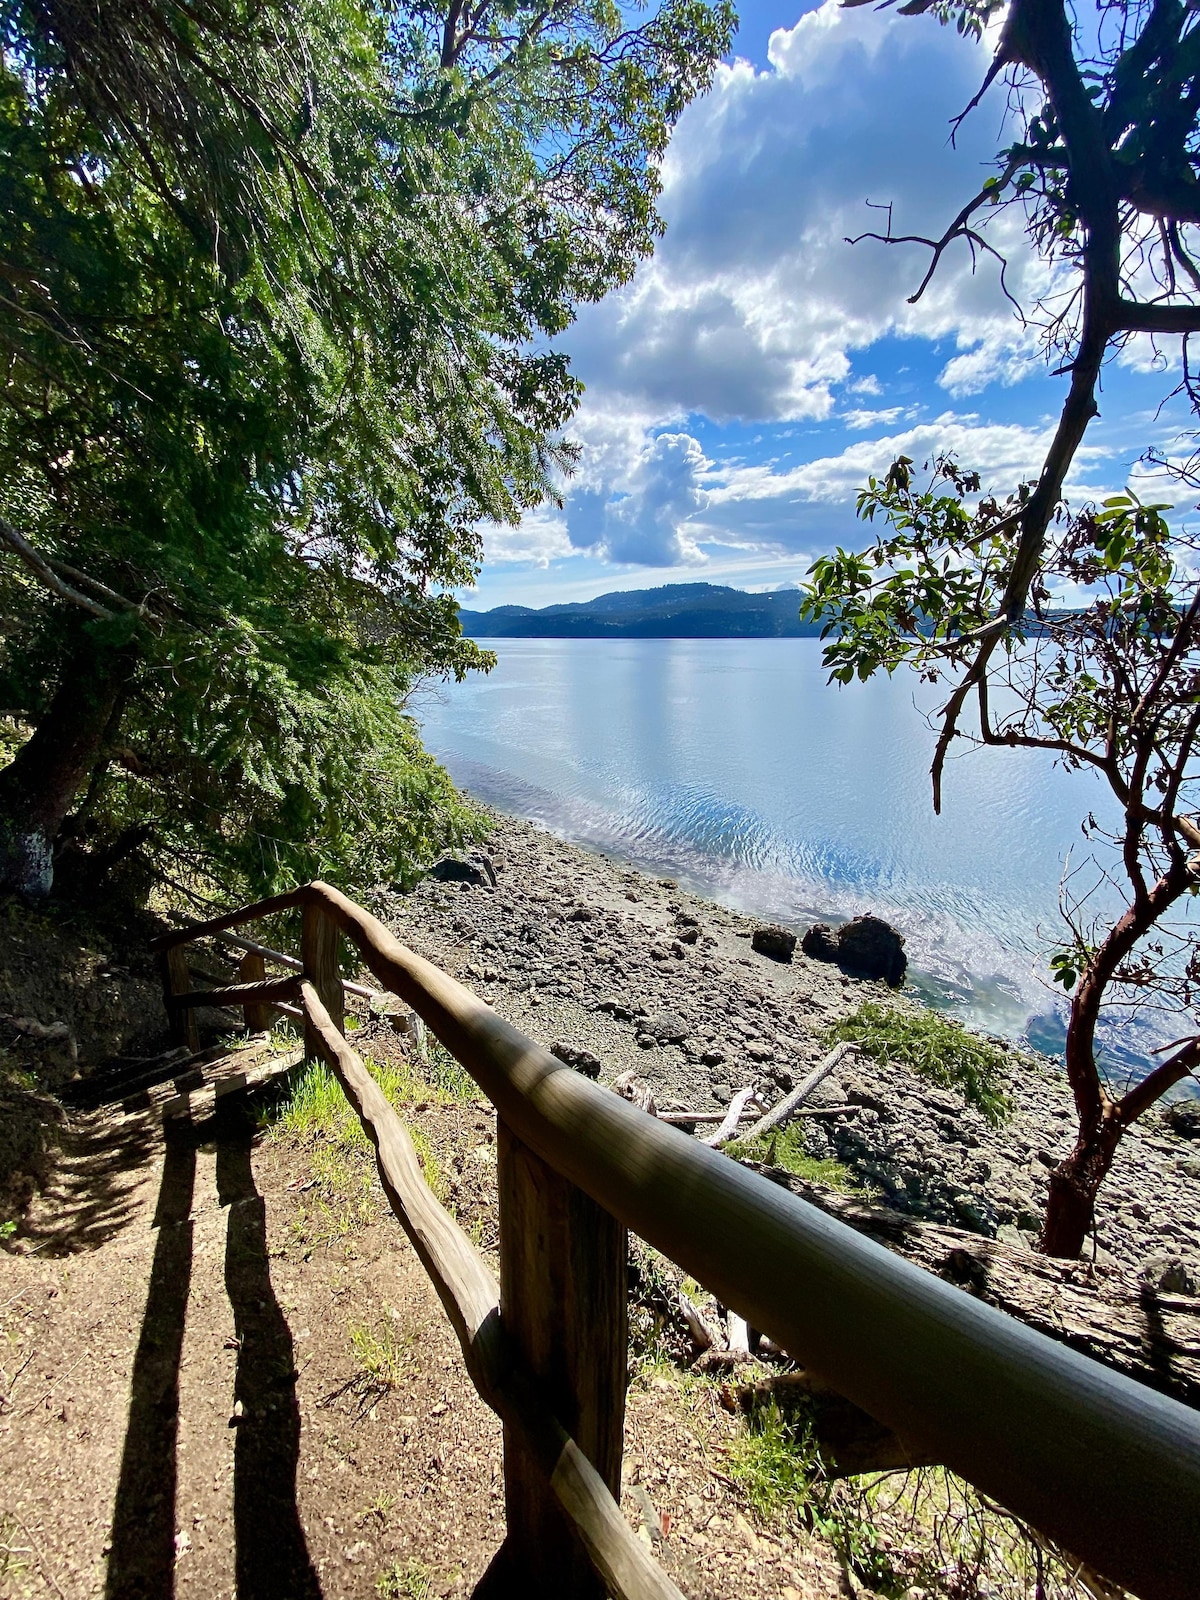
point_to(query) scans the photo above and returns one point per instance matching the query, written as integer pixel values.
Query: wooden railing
(1108, 1468)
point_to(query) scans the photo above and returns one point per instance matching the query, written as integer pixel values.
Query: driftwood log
(1104, 1313)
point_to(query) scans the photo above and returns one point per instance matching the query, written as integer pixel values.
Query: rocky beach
(619, 972)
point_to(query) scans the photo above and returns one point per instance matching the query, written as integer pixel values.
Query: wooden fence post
(253, 969)
(319, 941)
(563, 1287)
(177, 979)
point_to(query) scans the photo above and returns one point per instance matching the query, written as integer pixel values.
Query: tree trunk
(1074, 1184)
(39, 785)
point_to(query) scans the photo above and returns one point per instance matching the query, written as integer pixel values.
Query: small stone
(1171, 1275)
(576, 1057)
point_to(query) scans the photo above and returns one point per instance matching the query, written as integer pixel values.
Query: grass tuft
(936, 1047)
(384, 1352)
(784, 1147)
(405, 1580)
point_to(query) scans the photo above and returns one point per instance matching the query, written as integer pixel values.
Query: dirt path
(241, 1383)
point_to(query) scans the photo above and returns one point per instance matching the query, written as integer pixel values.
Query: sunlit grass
(784, 1147)
(315, 1116)
(384, 1352)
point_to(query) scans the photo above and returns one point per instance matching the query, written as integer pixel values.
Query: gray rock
(1170, 1274)
(778, 943)
(573, 1056)
(668, 1028)
(1183, 1118)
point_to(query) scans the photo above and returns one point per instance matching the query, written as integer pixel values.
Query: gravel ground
(582, 951)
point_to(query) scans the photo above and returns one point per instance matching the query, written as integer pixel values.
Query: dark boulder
(866, 945)
(778, 943)
(820, 942)
(1183, 1118)
(477, 869)
(574, 1056)
(872, 946)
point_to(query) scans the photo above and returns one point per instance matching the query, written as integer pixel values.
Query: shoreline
(583, 951)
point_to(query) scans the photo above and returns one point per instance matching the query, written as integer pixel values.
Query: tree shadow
(91, 1193)
(142, 1559)
(272, 1556)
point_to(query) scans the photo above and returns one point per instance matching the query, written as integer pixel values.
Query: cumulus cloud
(754, 302)
(802, 508)
(539, 538)
(648, 522)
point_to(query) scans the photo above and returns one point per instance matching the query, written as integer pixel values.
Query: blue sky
(743, 385)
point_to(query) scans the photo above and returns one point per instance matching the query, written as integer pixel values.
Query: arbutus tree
(1111, 688)
(1106, 171)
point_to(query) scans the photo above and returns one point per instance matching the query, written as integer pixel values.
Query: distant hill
(676, 611)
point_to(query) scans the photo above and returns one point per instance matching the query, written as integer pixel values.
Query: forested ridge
(278, 284)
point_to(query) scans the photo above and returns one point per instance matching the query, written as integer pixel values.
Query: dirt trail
(204, 1396)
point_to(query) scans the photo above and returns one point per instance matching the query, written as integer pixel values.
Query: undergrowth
(315, 1115)
(920, 1529)
(938, 1048)
(784, 1147)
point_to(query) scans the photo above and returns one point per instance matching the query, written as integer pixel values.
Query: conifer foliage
(276, 289)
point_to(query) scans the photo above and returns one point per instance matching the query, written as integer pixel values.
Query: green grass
(446, 1077)
(922, 1530)
(935, 1047)
(784, 1147)
(315, 1115)
(405, 1580)
(775, 1465)
(384, 1352)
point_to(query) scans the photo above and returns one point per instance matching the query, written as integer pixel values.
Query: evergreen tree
(277, 286)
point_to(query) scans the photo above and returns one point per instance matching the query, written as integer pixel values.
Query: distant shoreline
(675, 611)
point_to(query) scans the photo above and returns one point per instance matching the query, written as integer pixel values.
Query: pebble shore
(585, 953)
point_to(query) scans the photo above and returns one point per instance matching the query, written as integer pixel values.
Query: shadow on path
(272, 1558)
(142, 1561)
(272, 1554)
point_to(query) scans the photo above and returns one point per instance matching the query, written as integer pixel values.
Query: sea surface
(732, 766)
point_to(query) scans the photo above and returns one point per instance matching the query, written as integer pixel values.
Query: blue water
(732, 766)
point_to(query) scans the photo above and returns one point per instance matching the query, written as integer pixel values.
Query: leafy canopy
(278, 282)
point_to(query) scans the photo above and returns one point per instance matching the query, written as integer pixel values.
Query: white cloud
(805, 507)
(649, 521)
(858, 419)
(754, 301)
(539, 538)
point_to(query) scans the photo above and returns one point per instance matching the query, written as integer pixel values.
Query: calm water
(730, 765)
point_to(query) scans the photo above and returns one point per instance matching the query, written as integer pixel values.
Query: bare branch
(45, 574)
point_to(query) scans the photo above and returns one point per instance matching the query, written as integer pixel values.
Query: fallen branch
(732, 1117)
(699, 1329)
(781, 1112)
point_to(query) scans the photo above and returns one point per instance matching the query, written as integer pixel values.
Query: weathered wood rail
(1105, 1466)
